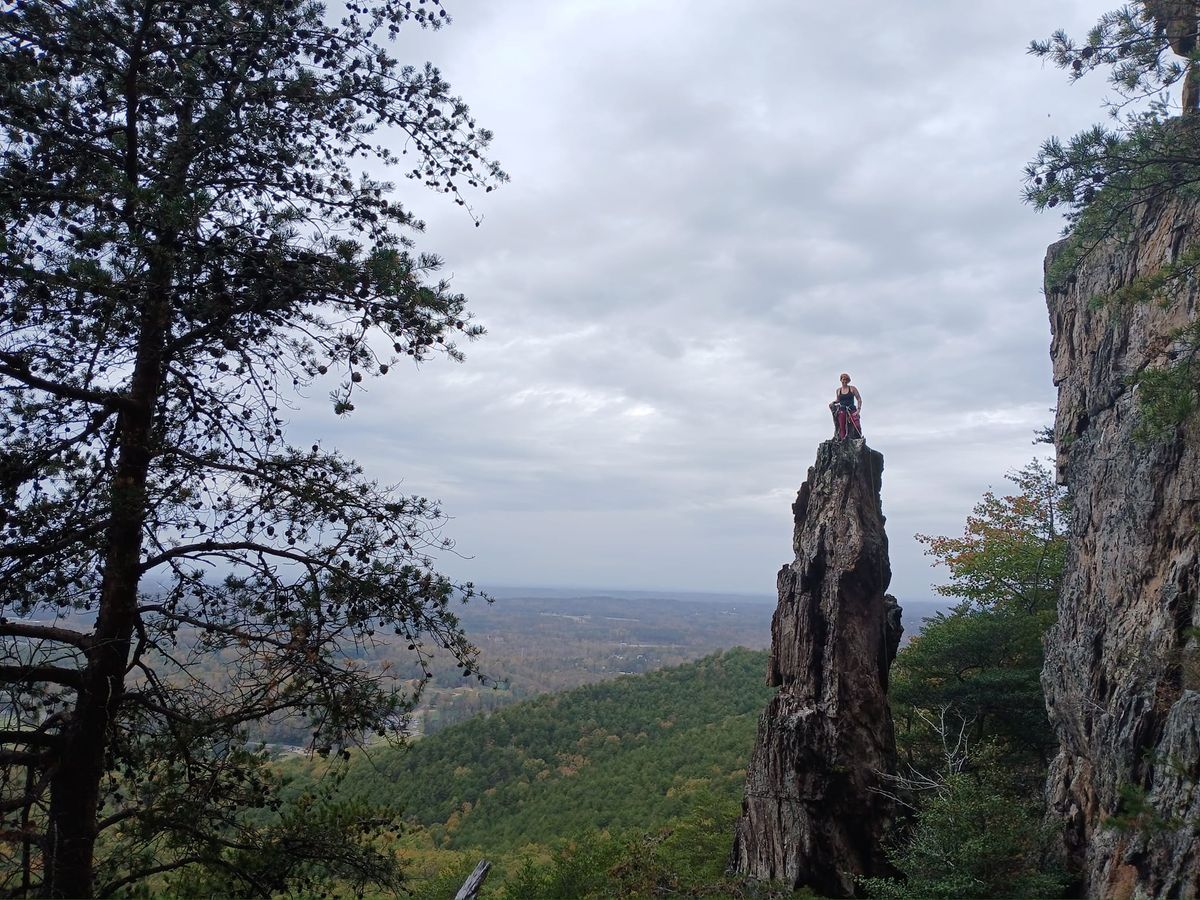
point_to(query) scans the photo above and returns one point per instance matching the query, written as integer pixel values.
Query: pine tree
(184, 243)
(1108, 177)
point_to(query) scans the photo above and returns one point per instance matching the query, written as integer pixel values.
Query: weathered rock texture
(1121, 674)
(811, 816)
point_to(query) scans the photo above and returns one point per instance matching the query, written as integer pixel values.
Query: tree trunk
(75, 783)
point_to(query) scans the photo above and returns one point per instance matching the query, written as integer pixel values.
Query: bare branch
(109, 889)
(32, 738)
(71, 678)
(213, 724)
(22, 758)
(43, 548)
(231, 631)
(15, 835)
(118, 817)
(207, 548)
(28, 797)
(45, 632)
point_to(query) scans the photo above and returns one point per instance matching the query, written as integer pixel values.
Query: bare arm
(857, 396)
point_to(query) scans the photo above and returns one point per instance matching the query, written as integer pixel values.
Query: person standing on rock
(846, 408)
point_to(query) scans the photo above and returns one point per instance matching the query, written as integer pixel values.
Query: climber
(846, 421)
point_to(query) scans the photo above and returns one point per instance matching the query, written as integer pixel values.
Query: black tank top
(846, 399)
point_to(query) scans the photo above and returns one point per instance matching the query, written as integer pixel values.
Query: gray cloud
(713, 212)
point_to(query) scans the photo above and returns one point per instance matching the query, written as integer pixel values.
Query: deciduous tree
(983, 660)
(1011, 552)
(966, 694)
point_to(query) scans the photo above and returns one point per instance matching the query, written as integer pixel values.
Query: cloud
(714, 211)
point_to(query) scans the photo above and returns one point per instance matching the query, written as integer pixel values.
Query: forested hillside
(531, 645)
(624, 753)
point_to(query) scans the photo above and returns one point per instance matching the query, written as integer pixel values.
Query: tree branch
(229, 630)
(71, 678)
(21, 758)
(108, 889)
(28, 798)
(210, 725)
(45, 632)
(13, 366)
(39, 738)
(118, 817)
(16, 835)
(43, 548)
(208, 547)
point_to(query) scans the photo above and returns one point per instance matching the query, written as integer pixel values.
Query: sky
(714, 209)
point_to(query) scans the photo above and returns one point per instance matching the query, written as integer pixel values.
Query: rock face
(810, 816)
(1122, 670)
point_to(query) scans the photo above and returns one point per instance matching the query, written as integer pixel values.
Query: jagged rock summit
(812, 816)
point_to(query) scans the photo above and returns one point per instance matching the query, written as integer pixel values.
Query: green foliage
(315, 845)
(186, 243)
(972, 728)
(528, 881)
(577, 869)
(975, 837)
(1169, 396)
(984, 666)
(1102, 174)
(1159, 287)
(1011, 553)
(531, 646)
(1127, 42)
(624, 753)
(982, 662)
(1137, 813)
(1106, 178)
(1136, 810)
(247, 844)
(445, 882)
(689, 856)
(639, 800)
(685, 857)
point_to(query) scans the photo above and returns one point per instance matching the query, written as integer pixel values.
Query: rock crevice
(812, 815)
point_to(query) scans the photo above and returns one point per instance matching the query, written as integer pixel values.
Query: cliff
(1121, 664)
(810, 816)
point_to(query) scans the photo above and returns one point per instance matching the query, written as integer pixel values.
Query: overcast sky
(715, 208)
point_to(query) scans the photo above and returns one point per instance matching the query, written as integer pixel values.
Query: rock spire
(811, 815)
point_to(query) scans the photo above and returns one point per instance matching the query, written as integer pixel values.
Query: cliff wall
(1121, 678)
(810, 816)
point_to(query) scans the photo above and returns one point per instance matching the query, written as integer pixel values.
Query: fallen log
(470, 887)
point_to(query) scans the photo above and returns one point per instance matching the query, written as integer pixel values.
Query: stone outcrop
(811, 814)
(1122, 671)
